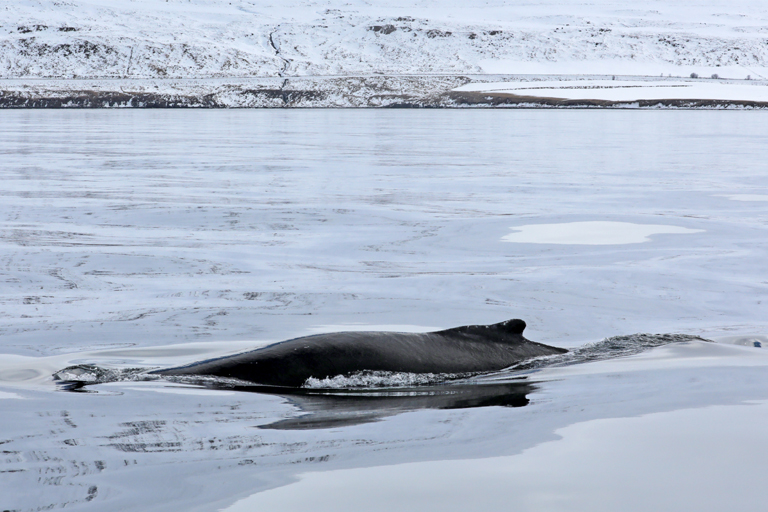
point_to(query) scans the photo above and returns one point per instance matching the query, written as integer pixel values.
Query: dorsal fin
(513, 326)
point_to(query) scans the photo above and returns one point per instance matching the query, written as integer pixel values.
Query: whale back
(466, 349)
(508, 334)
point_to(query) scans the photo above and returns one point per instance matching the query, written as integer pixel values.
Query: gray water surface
(157, 227)
(136, 239)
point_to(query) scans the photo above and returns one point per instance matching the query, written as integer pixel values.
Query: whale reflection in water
(328, 408)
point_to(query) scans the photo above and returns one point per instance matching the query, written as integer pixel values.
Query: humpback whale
(462, 350)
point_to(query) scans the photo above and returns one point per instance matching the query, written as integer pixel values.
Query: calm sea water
(160, 227)
(149, 238)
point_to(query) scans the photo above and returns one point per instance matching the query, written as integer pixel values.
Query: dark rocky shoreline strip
(306, 92)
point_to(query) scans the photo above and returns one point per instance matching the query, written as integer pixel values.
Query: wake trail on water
(75, 378)
(608, 348)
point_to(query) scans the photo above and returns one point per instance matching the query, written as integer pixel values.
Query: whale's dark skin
(467, 349)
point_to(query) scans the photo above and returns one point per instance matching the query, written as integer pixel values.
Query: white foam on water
(591, 233)
(377, 379)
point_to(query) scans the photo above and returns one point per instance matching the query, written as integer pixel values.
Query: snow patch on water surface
(591, 233)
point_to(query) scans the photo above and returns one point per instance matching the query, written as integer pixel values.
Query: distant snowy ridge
(304, 53)
(252, 38)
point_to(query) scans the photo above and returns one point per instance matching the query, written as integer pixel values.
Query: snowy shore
(248, 53)
(514, 91)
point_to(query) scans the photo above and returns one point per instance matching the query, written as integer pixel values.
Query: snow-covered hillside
(247, 39)
(244, 38)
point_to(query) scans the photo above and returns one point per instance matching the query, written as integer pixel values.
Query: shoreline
(373, 91)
